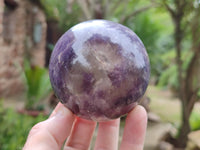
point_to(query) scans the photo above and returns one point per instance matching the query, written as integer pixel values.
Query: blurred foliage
(15, 127)
(38, 85)
(148, 19)
(152, 33)
(195, 121)
(115, 10)
(152, 24)
(155, 30)
(66, 14)
(50, 46)
(169, 75)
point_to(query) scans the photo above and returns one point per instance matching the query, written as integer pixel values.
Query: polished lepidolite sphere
(99, 70)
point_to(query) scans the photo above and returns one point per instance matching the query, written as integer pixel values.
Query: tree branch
(116, 5)
(171, 11)
(134, 13)
(106, 5)
(192, 100)
(85, 9)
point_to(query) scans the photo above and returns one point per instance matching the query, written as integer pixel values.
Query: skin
(63, 126)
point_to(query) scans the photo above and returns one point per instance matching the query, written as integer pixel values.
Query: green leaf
(38, 84)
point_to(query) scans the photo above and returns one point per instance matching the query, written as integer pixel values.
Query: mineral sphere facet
(99, 70)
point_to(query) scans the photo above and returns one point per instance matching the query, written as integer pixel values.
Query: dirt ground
(168, 108)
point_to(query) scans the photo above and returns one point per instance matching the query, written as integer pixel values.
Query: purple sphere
(99, 70)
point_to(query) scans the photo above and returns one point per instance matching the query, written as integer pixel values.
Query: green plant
(169, 76)
(66, 13)
(14, 128)
(38, 85)
(195, 121)
(154, 36)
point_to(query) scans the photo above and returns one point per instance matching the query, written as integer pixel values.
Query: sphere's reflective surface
(99, 70)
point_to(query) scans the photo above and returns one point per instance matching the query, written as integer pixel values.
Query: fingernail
(61, 112)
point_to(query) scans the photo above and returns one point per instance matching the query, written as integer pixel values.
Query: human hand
(62, 124)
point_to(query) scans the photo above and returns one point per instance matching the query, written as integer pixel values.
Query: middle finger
(81, 134)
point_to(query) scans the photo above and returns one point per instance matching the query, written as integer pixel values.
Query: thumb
(51, 133)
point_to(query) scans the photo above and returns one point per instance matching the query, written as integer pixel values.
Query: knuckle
(36, 129)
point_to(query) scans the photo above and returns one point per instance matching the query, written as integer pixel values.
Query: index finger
(135, 129)
(51, 133)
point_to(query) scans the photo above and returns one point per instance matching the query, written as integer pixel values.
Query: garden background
(169, 29)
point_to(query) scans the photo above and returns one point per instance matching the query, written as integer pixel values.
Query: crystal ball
(99, 70)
